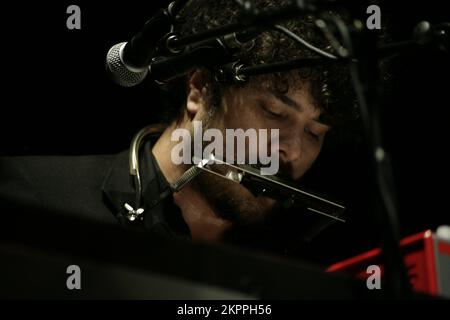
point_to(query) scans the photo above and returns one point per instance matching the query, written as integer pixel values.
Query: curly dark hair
(329, 85)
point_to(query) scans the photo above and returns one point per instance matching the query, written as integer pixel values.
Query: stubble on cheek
(233, 202)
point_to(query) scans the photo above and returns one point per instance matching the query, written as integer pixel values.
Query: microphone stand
(365, 77)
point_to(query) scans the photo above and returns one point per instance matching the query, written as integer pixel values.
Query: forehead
(295, 93)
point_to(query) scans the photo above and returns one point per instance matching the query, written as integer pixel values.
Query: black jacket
(92, 188)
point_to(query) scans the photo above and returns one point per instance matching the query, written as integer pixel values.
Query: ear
(195, 103)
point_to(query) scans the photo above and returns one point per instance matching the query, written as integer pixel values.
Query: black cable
(303, 42)
(286, 66)
(176, 6)
(241, 3)
(248, 19)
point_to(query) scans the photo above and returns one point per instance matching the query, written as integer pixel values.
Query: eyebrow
(292, 103)
(286, 100)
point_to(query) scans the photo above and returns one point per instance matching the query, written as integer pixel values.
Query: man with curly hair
(303, 104)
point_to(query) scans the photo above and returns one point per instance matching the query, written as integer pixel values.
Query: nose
(290, 157)
(291, 150)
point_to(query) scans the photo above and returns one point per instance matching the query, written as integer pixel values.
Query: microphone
(127, 62)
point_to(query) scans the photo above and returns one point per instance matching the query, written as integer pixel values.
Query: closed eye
(313, 135)
(271, 113)
(317, 130)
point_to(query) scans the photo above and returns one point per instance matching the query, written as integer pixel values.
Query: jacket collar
(161, 217)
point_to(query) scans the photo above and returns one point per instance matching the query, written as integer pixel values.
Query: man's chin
(235, 203)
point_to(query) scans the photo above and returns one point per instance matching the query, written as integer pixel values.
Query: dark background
(56, 99)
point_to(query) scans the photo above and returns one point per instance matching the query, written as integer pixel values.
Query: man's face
(301, 137)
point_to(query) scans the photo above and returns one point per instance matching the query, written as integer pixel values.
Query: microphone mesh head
(119, 72)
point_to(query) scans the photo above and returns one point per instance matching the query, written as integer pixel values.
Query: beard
(233, 202)
(230, 200)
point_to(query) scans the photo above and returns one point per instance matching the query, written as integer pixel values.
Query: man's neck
(197, 212)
